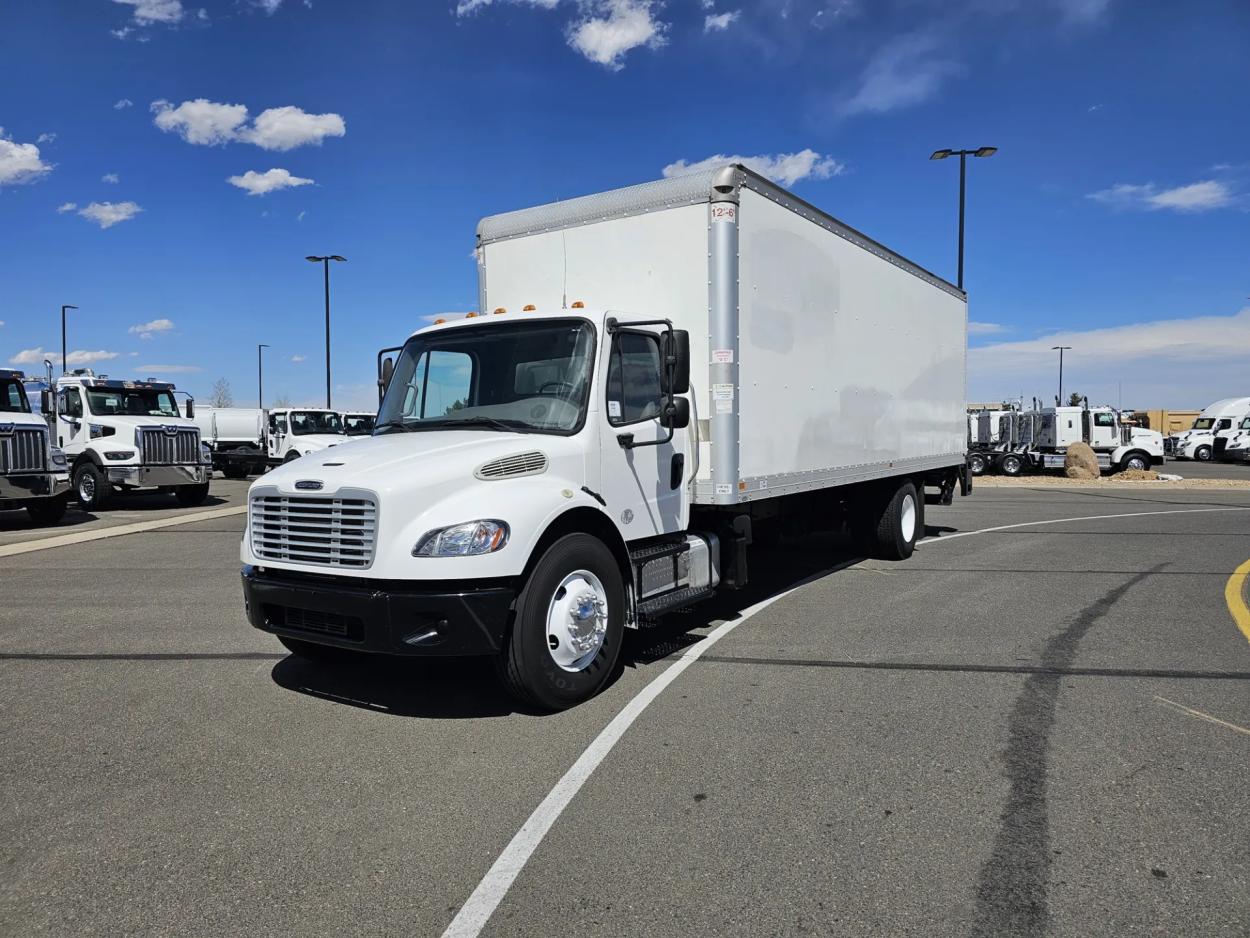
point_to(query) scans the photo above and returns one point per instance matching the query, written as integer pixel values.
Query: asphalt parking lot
(1038, 725)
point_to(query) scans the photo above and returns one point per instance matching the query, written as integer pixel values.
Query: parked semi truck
(1199, 441)
(236, 438)
(1236, 440)
(990, 434)
(299, 431)
(550, 472)
(34, 473)
(126, 435)
(1039, 439)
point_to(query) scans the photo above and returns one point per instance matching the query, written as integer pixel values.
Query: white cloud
(121, 33)
(298, 358)
(168, 369)
(1, 323)
(112, 178)
(20, 162)
(464, 7)
(717, 22)
(34, 356)
(783, 168)
(108, 214)
(145, 330)
(66, 207)
(300, 216)
(155, 11)
(269, 6)
(208, 123)
(1168, 362)
(269, 181)
(48, 137)
(1082, 12)
(1195, 197)
(984, 328)
(123, 103)
(612, 28)
(905, 71)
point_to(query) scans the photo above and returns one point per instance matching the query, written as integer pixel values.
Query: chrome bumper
(34, 485)
(151, 476)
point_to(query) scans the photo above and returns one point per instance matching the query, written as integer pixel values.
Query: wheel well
(583, 520)
(86, 456)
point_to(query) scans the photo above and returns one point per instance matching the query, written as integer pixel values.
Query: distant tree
(282, 400)
(456, 405)
(1075, 399)
(220, 396)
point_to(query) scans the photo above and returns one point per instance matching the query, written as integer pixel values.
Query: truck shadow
(19, 520)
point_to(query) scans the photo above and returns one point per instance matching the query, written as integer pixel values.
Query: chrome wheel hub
(577, 620)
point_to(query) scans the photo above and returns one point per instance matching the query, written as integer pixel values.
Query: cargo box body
(819, 357)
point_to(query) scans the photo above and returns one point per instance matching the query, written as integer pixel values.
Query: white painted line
(118, 530)
(479, 907)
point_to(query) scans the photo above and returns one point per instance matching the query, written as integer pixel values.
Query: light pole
(325, 262)
(260, 377)
(1060, 349)
(64, 307)
(963, 163)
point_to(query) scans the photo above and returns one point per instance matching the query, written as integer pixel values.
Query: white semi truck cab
(34, 473)
(1236, 442)
(127, 435)
(299, 431)
(358, 422)
(1039, 439)
(1199, 441)
(547, 473)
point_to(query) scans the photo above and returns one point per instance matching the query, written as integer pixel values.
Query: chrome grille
(522, 464)
(24, 450)
(161, 448)
(314, 529)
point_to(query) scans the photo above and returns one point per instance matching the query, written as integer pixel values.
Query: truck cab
(1116, 441)
(126, 435)
(34, 473)
(358, 422)
(1199, 441)
(299, 431)
(1236, 442)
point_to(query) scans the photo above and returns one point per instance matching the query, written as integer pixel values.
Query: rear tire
(1012, 464)
(191, 495)
(568, 628)
(48, 510)
(899, 525)
(91, 488)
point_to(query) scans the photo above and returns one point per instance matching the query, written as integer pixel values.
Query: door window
(72, 403)
(634, 378)
(442, 384)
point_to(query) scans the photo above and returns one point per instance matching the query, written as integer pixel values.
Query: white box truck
(1198, 442)
(236, 438)
(34, 473)
(126, 435)
(660, 374)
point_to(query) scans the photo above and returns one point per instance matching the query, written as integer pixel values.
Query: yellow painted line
(1235, 597)
(1203, 716)
(118, 530)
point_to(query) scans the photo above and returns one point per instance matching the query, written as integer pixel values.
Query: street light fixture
(260, 377)
(64, 307)
(963, 163)
(325, 262)
(1060, 349)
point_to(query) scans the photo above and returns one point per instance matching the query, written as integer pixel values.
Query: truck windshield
(1204, 423)
(132, 402)
(1245, 424)
(304, 422)
(358, 424)
(13, 397)
(529, 377)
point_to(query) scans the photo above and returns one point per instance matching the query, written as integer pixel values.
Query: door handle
(626, 440)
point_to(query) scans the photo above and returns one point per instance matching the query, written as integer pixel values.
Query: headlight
(463, 540)
(120, 454)
(58, 457)
(206, 454)
(98, 430)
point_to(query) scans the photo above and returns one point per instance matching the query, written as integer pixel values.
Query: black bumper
(379, 616)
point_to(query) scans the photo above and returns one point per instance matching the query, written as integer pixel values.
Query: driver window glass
(72, 404)
(1104, 420)
(634, 379)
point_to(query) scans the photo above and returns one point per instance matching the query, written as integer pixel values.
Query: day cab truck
(236, 438)
(548, 473)
(300, 431)
(120, 436)
(1199, 441)
(34, 473)
(1038, 439)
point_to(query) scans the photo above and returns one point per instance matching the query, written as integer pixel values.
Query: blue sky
(1115, 217)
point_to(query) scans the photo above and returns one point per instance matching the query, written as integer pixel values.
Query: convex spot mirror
(675, 349)
(676, 416)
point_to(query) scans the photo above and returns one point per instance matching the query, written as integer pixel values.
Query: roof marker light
(439, 322)
(578, 304)
(500, 310)
(528, 308)
(470, 315)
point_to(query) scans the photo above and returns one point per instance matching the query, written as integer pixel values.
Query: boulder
(1081, 463)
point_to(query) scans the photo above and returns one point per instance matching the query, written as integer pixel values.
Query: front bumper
(150, 476)
(33, 485)
(379, 616)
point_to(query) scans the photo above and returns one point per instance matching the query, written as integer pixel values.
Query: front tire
(91, 488)
(569, 624)
(1203, 454)
(291, 456)
(191, 495)
(976, 464)
(48, 510)
(1136, 461)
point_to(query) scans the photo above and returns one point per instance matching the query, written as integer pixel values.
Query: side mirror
(45, 401)
(675, 349)
(190, 407)
(384, 378)
(676, 415)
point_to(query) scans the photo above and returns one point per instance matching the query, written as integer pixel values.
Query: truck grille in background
(24, 451)
(169, 449)
(314, 529)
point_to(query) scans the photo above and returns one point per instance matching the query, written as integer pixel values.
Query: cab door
(645, 473)
(277, 435)
(72, 430)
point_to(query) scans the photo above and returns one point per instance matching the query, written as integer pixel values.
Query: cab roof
(113, 384)
(503, 315)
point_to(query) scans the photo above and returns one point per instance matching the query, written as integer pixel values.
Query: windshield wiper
(394, 424)
(480, 420)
